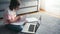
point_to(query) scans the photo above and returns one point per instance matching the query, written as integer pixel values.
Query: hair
(13, 4)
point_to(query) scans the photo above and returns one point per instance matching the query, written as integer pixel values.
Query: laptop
(29, 28)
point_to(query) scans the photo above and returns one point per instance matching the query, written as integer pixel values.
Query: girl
(14, 22)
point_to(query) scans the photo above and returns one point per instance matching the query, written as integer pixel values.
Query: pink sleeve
(7, 16)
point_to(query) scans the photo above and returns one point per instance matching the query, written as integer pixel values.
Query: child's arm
(17, 18)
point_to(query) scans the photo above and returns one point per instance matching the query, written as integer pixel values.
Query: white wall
(42, 4)
(53, 6)
(39, 4)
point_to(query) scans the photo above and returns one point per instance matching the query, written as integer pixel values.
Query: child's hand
(17, 18)
(14, 19)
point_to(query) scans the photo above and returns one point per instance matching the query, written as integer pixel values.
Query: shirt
(11, 14)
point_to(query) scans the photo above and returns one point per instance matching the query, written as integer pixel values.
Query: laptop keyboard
(31, 28)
